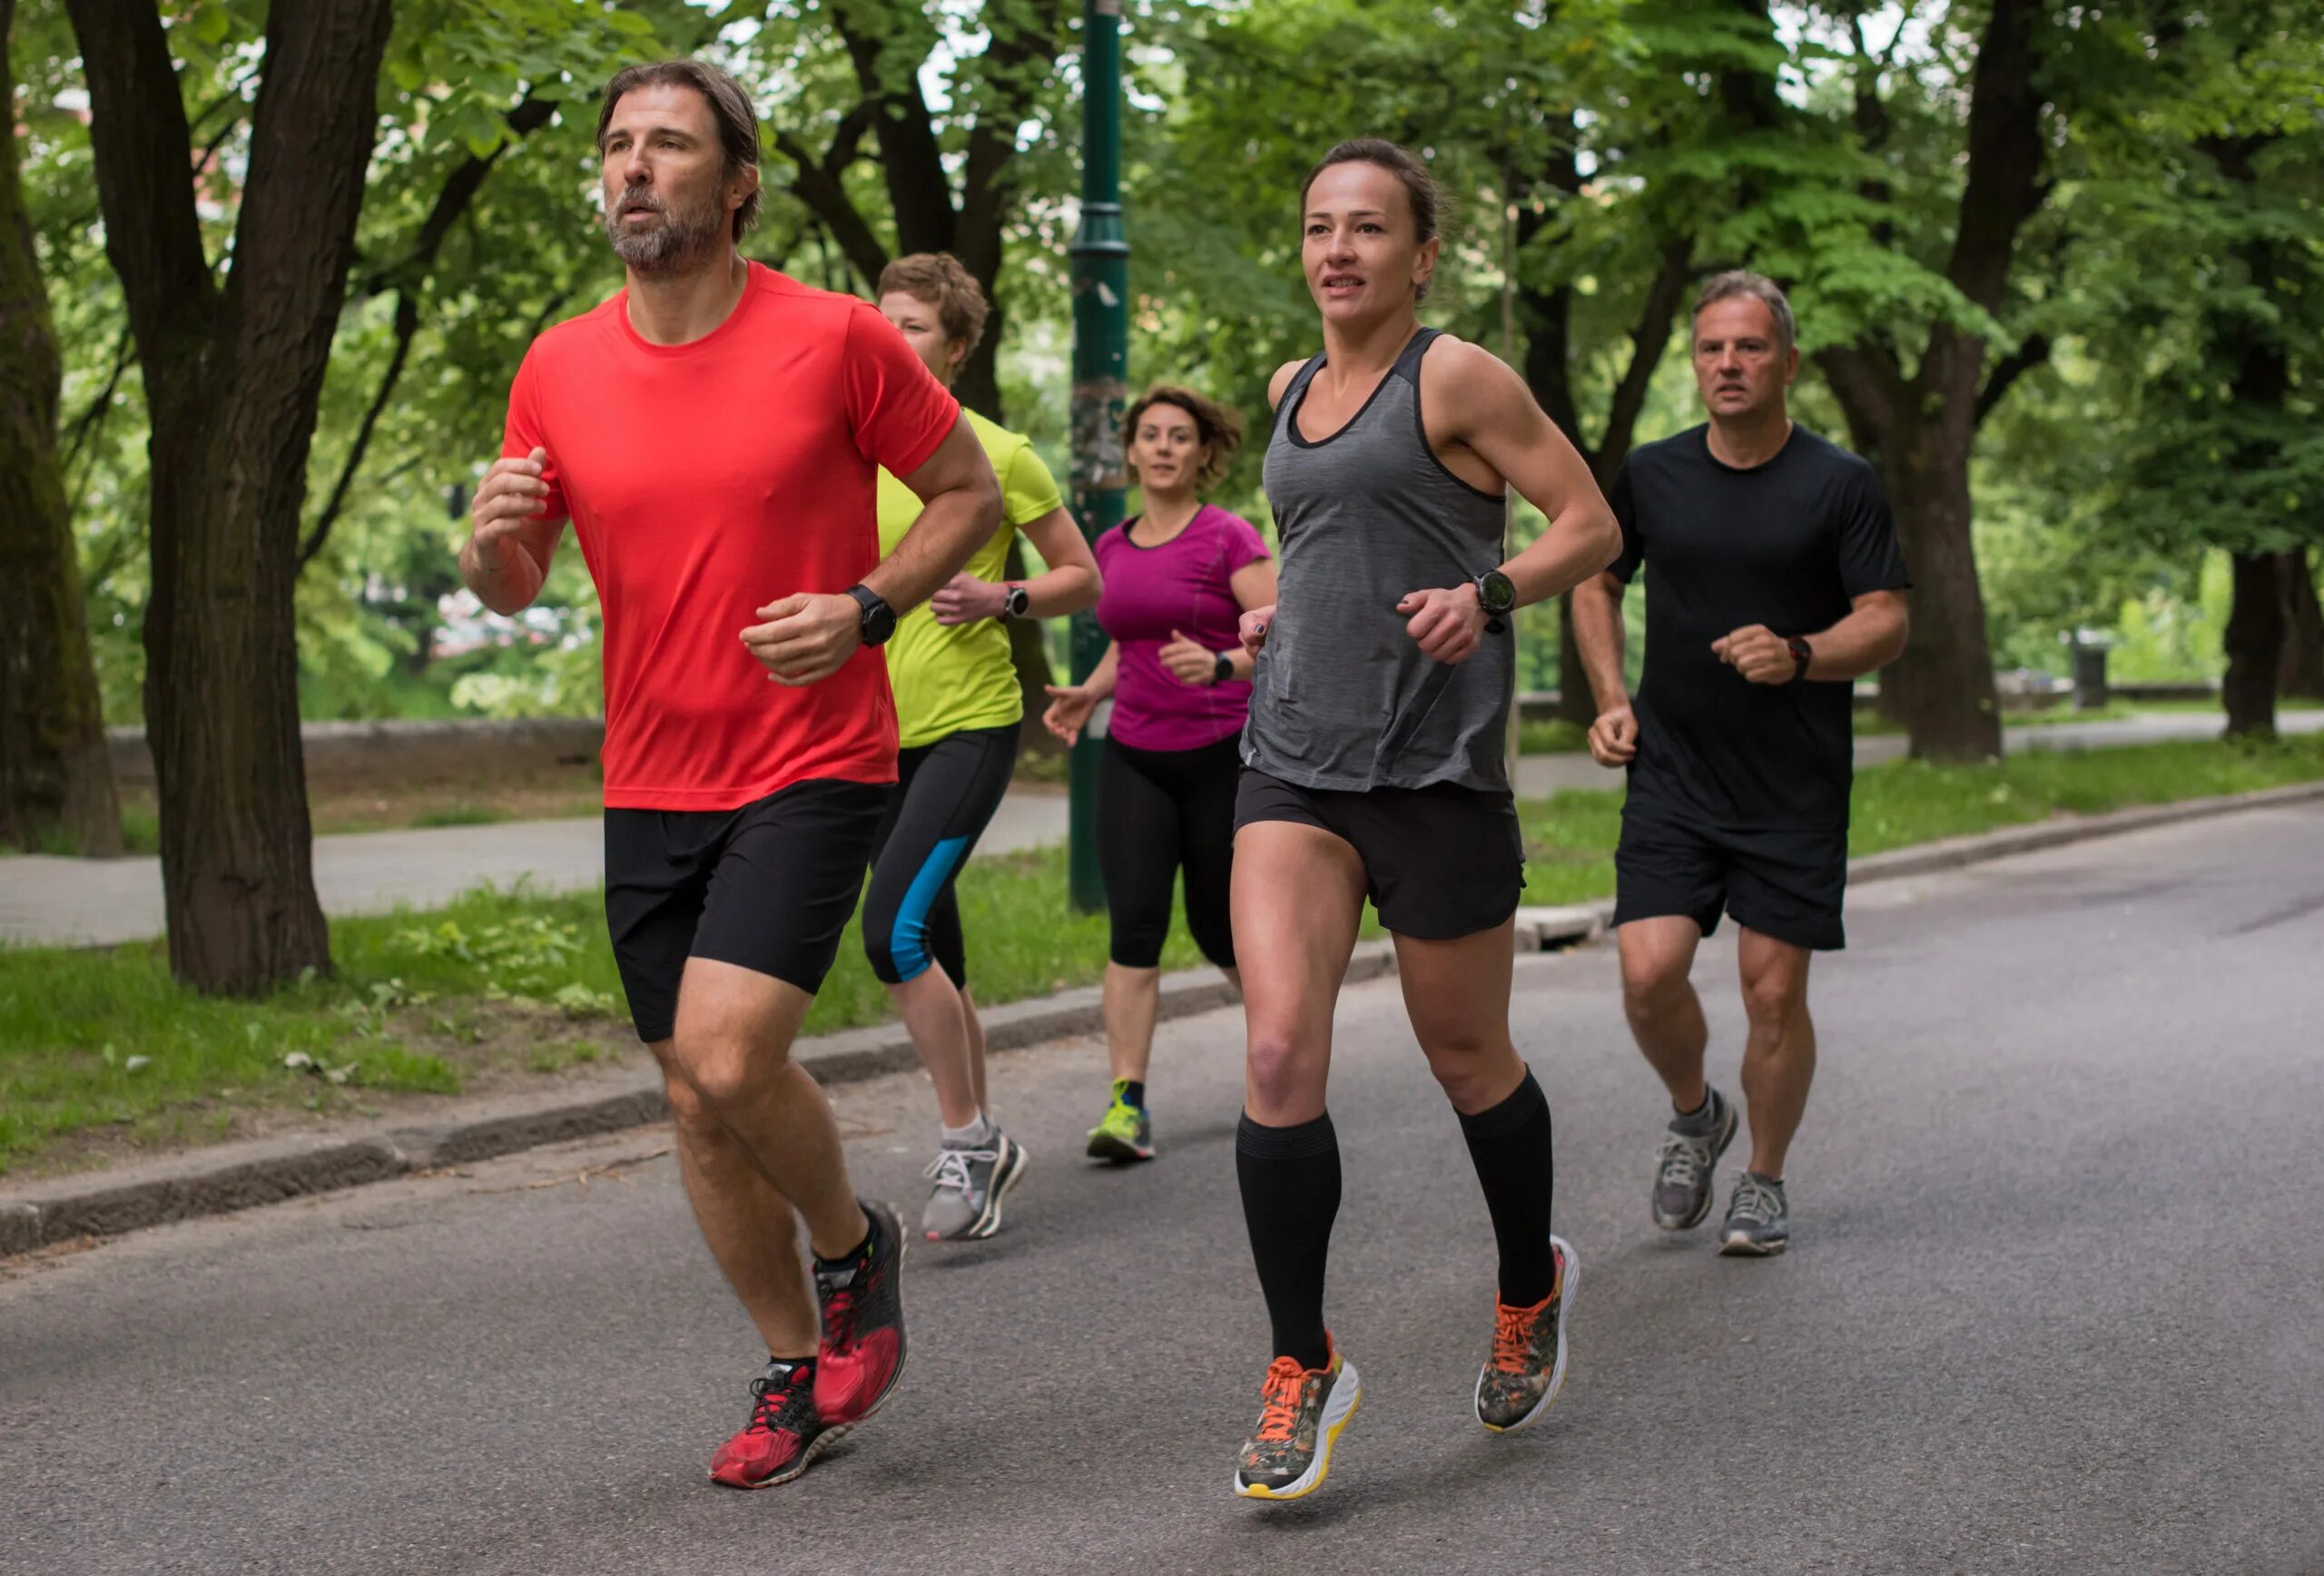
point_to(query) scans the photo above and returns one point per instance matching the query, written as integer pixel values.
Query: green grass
(1569, 838)
(412, 990)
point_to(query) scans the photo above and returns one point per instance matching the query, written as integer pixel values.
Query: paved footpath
(45, 900)
(2052, 1307)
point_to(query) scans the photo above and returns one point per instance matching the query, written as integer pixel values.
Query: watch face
(878, 623)
(1496, 593)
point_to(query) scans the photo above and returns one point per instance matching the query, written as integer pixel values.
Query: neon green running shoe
(1124, 1135)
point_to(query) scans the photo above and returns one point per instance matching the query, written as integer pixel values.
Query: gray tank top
(1343, 698)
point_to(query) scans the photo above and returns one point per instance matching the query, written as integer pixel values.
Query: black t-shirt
(1788, 544)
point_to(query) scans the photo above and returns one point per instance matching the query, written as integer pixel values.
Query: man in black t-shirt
(1773, 581)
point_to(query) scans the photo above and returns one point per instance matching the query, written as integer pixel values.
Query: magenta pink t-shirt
(1181, 585)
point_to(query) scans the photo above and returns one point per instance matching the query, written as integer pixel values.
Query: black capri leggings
(1158, 812)
(945, 793)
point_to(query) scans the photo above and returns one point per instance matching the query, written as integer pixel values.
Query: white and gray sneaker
(1684, 1168)
(968, 1186)
(1758, 1220)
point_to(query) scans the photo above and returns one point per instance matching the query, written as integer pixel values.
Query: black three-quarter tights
(1161, 812)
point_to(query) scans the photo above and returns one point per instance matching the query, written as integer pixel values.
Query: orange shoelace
(1284, 1382)
(1512, 1335)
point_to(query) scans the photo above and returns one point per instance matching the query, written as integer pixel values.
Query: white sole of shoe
(1557, 1373)
(1341, 1405)
(1005, 1175)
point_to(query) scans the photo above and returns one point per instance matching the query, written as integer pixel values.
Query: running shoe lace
(1512, 1338)
(950, 1167)
(1755, 1200)
(1681, 1159)
(772, 1395)
(1285, 1383)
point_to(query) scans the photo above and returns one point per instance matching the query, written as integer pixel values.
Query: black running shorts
(768, 888)
(1784, 883)
(1439, 863)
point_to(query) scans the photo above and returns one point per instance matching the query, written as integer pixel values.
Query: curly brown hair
(1214, 425)
(944, 283)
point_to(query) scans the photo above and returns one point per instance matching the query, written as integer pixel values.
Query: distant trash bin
(2089, 653)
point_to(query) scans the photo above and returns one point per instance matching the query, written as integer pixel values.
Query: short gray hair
(1742, 282)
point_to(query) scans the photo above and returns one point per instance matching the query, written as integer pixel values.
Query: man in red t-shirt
(715, 433)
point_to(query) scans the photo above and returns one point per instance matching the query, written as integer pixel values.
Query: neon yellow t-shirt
(948, 679)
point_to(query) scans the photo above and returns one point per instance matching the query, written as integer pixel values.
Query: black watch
(879, 620)
(1801, 653)
(1496, 594)
(1225, 668)
(1015, 604)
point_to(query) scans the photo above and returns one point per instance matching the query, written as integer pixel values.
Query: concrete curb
(236, 1177)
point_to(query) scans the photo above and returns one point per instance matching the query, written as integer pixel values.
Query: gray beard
(679, 244)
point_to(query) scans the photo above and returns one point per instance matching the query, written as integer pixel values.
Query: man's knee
(1654, 984)
(1773, 997)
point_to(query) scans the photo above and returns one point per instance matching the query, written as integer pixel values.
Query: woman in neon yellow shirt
(959, 706)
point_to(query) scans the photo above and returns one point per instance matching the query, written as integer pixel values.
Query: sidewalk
(50, 901)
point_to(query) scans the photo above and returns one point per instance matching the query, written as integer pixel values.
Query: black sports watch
(1016, 603)
(1224, 670)
(1496, 594)
(879, 620)
(1801, 653)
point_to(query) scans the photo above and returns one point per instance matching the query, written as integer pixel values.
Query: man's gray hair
(1742, 282)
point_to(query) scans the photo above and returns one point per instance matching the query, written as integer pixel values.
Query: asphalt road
(2052, 1305)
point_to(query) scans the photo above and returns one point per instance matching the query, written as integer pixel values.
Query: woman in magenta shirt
(1178, 578)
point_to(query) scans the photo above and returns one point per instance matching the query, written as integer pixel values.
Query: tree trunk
(55, 777)
(2301, 673)
(2254, 647)
(1576, 705)
(1942, 687)
(233, 378)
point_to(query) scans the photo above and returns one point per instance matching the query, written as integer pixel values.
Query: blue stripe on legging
(907, 944)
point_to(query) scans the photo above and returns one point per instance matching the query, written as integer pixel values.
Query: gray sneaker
(1758, 1221)
(964, 1203)
(1683, 1169)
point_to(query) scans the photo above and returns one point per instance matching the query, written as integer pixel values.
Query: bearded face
(661, 231)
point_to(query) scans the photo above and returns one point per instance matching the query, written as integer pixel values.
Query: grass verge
(101, 1054)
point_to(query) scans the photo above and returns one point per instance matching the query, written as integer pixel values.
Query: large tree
(55, 777)
(1926, 285)
(233, 371)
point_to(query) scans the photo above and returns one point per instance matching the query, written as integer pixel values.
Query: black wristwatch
(1496, 594)
(1801, 653)
(879, 620)
(1014, 605)
(1224, 670)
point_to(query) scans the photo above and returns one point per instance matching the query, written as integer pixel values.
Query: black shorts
(1781, 882)
(1440, 863)
(768, 888)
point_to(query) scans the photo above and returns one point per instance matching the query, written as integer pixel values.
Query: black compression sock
(1510, 1146)
(1290, 1178)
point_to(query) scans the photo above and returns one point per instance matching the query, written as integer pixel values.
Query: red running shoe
(862, 1350)
(785, 1436)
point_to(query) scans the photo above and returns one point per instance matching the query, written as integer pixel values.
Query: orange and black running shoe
(1527, 1367)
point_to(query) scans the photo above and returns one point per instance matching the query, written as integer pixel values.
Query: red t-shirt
(705, 481)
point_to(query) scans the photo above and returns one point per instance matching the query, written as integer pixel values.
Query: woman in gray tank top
(1374, 768)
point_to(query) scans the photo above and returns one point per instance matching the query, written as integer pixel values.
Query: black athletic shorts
(768, 888)
(1782, 883)
(1440, 863)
